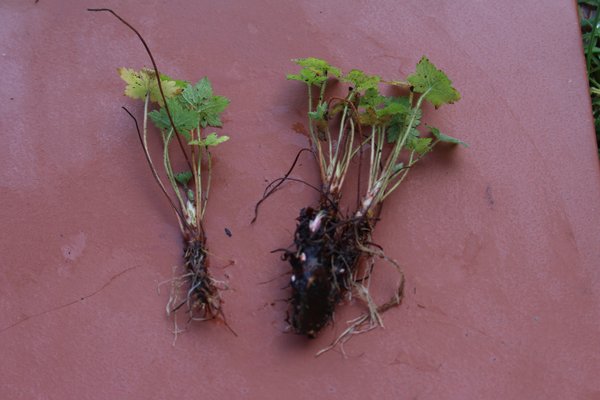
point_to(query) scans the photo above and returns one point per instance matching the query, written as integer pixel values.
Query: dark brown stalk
(154, 173)
(273, 186)
(160, 88)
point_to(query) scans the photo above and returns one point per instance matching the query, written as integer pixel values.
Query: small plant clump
(589, 11)
(193, 109)
(183, 113)
(382, 131)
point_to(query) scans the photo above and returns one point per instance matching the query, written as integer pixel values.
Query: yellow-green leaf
(143, 82)
(210, 140)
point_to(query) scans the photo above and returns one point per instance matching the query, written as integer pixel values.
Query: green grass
(590, 17)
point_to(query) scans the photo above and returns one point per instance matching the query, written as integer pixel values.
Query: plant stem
(198, 181)
(149, 159)
(169, 169)
(401, 142)
(372, 170)
(208, 180)
(406, 169)
(315, 140)
(378, 190)
(343, 168)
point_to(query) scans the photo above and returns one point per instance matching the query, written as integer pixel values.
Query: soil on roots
(324, 262)
(201, 297)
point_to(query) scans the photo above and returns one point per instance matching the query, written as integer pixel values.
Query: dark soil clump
(324, 264)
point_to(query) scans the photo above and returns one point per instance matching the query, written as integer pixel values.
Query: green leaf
(433, 84)
(318, 65)
(204, 88)
(319, 113)
(143, 82)
(393, 132)
(184, 177)
(445, 138)
(294, 77)
(209, 140)
(185, 120)
(393, 109)
(420, 145)
(372, 98)
(399, 123)
(362, 81)
(211, 109)
(194, 95)
(213, 139)
(314, 72)
(189, 95)
(200, 98)
(381, 110)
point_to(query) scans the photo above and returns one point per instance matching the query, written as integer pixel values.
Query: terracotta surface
(499, 242)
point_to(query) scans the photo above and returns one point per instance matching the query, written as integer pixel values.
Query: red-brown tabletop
(498, 241)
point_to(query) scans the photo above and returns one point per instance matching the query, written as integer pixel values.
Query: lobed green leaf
(419, 144)
(318, 65)
(210, 140)
(433, 84)
(184, 119)
(210, 111)
(445, 138)
(372, 98)
(361, 81)
(314, 72)
(319, 113)
(194, 95)
(399, 123)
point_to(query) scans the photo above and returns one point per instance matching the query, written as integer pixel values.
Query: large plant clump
(383, 132)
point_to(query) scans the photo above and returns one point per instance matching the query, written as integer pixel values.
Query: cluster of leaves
(390, 112)
(385, 132)
(396, 115)
(393, 120)
(189, 109)
(191, 106)
(590, 18)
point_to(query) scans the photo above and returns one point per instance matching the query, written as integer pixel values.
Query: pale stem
(372, 170)
(208, 179)
(169, 169)
(347, 152)
(198, 179)
(145, 145)
(406, 169)
(393, 158)
(339, 140)
(315, 139)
